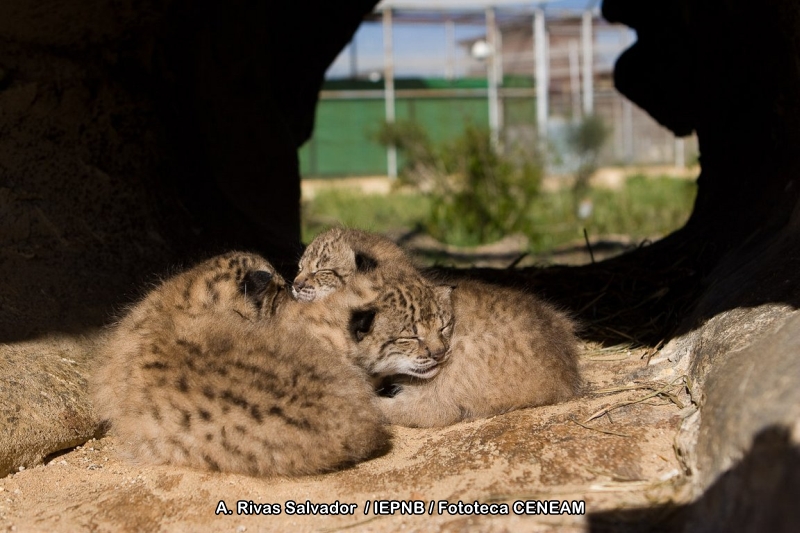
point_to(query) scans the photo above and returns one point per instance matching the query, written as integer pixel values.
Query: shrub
(586, 139)
(477, 194)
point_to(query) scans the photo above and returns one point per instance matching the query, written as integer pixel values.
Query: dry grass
(659, 390)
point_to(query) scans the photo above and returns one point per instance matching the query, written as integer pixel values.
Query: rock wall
(136, 137)
(729, 70)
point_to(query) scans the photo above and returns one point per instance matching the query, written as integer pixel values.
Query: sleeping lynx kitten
(507, 350)
(451, 354)
(209, 371)
(347, 257)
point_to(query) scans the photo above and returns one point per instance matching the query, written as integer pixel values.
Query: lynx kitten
(216, 369)
(347, 257)
(507, 350)
(449, 353)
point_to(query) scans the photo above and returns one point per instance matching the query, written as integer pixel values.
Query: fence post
(450, 49)
(492, 76)
(542, 82)
(588, 63)
(575, 79)
(388, 89)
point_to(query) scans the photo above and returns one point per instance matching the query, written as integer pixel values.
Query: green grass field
(644, 208)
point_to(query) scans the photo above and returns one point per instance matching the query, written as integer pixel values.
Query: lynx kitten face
(335, 257)
(508, 350)
(405, 331)
(405, 323)
(219, 368)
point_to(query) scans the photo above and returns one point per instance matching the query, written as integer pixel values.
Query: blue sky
(420, 49)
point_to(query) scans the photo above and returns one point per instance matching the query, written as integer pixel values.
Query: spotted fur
(346, 257)
(446, 354)
(508, 350)
(208, 371)
(405, 330)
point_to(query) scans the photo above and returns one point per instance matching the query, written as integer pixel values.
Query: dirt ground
(620, 460)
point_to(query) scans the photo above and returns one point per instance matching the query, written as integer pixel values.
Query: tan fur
(508, 350)
(341, 257)
(211, 373)
(410, 332)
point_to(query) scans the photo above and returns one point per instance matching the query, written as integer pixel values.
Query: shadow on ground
(758, 494)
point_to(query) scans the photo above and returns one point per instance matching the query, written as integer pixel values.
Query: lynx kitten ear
(365, 263)
(255, 283)
(361, 321)
(443, 293)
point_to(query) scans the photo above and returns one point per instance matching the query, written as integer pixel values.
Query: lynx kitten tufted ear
(361, 321)
(443, 293)
(255, 282)
(365, 263)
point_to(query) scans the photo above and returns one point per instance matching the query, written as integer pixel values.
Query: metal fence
(543, 72)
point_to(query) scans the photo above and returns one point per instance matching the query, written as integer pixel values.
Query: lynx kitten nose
(298, 285)
(438, 353)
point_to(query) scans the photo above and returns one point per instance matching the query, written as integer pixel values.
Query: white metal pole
(450, 47)
(498, 75)
(353, 58)
(388, 91)
(575, 78)
(542, 83)
(680, 152)
(492, 81)
(498, 63)
(588, 63)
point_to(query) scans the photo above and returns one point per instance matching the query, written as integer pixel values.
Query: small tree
(478, 195)
(587, 139)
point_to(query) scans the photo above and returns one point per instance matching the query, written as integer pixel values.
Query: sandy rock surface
(44, 407)
(625, 461)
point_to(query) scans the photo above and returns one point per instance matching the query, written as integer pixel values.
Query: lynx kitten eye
(407, 341)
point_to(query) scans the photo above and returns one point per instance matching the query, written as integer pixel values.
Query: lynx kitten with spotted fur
(507, 350)
(451, 353)
(341, 257)
(217, 369)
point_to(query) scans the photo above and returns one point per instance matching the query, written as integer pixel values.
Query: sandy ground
(625, 461)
